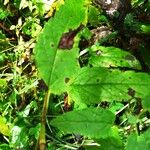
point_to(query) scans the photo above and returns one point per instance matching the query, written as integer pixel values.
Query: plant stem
(42, 138)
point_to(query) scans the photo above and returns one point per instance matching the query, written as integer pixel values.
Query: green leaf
(19, 137)
(90, 122)
(115, 106)
(93, 15)
(112, 57)
(35, 131)
(4, 128)
(4, 42)
(111, 142)
(131, 23)
(110, 37)
(139, 142)
(145, 28)
(3, 83)
(91, 147)
(114, 141)
(92, 85)
(137, 2)
(146, 102)
(55, 66)
(4, 13)
(4, 146)
(86, 33)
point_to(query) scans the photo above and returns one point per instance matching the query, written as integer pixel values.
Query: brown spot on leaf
(67, 39)
(67, 80)
(131, 92)
(52, 44)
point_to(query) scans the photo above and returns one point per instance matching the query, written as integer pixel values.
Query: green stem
(42, 138)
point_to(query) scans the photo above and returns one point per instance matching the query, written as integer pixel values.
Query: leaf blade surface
(91, 122)
(54, 65)
(92, 85)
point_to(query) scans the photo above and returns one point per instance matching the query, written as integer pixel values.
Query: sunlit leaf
(112, 57)
(145, 28)
(4, 128)
(89, 122)
(92, 85)
(19, 137)
(55, 65)
(3, 83)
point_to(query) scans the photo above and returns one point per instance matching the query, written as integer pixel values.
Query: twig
(126, 106)
(6, 29)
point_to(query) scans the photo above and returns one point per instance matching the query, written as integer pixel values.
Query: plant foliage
(74, 74)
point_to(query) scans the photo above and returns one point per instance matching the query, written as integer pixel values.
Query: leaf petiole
(42, 139)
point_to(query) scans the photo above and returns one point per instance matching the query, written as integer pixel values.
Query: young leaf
(4, 128)
(55, 65)
(112, 57)
(91, 85)
(90, 122)
(3, 83)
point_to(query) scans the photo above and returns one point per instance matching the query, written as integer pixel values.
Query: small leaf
(112, 57)
(3, 83)
(145, 28)
(93, 15)
(4, 128)
(92, 85)
(90, 122)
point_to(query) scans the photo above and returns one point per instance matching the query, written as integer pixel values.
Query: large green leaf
(90, 122)
(112, 57)
(91, 85)
(55, 65)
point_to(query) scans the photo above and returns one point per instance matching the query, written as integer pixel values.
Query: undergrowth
(74, 74)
